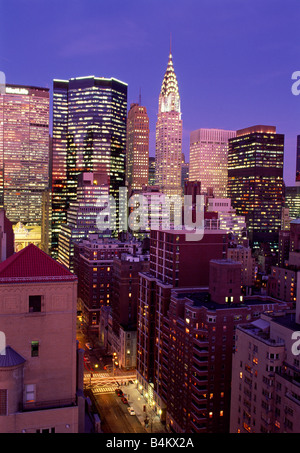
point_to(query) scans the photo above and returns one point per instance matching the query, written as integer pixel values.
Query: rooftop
(287, 320)
(202, 298)
(31, 264)
(10, 358)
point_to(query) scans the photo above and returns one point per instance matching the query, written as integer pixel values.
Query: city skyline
(234, 68)
(149, 218)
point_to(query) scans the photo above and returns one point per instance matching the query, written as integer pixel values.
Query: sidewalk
(137, 401)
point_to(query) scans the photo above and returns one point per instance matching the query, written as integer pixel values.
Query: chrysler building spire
(169, 99)
(169, 134)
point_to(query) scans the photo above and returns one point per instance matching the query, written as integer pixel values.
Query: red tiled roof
(32, 264)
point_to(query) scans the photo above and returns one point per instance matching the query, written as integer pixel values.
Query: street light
(114, 361)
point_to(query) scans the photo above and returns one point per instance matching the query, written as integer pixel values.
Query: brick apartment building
(93, 264)
(266, 376)
(186, 330)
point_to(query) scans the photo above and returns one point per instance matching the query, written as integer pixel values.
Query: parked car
(131, 411)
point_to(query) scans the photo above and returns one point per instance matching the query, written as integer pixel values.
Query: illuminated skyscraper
(137, 148)
(89, 135)
(292, 193)
(24, 151)
(255, 180)
(208, 159)
(169, 135)
(151, 179)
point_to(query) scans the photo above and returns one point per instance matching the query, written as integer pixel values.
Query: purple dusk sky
(234, 59)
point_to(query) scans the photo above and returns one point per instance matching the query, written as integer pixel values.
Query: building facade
(89, 135)
(208, 159)
(83, 216)
(40, 389)
(265, 376)
(6, 237)
(93, 264)
(137, 147)
(168, 145)
(255, 181)
(244, 256)
(124, 301)
(186, 374)
(170, 258)
(24, 151)
(151, 179)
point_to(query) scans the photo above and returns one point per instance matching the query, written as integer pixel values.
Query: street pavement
(137, 401)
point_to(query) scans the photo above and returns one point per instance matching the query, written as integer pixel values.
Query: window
(35, 304)
(3, 402)
(45, 430)
(34, 349)
(30, 393)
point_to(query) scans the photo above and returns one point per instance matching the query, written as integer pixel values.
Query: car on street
(124, 400)
(131, 411)
(119, 392)
(88, 346)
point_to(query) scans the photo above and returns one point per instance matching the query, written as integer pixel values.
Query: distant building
(137, 147)
(46, 221)
(149, 209)
(24, 151)
(292, 201)
(243, 255)
(229, 220)
(6, 237)
(283, 247)
(282, 283)
(208, 159)
(255, 181)
(184, 172)
(82, 216)
(151, 179)
(40, 386)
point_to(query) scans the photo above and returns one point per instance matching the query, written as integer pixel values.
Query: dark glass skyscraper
(89, 135)
(255, 180)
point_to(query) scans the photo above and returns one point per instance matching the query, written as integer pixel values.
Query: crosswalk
(104, 389)
(98, 375)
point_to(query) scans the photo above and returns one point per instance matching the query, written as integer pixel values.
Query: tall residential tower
(169, 135)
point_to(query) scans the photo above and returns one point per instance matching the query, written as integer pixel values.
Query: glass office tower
(255, 181)
(24, 151)
(89, 135)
